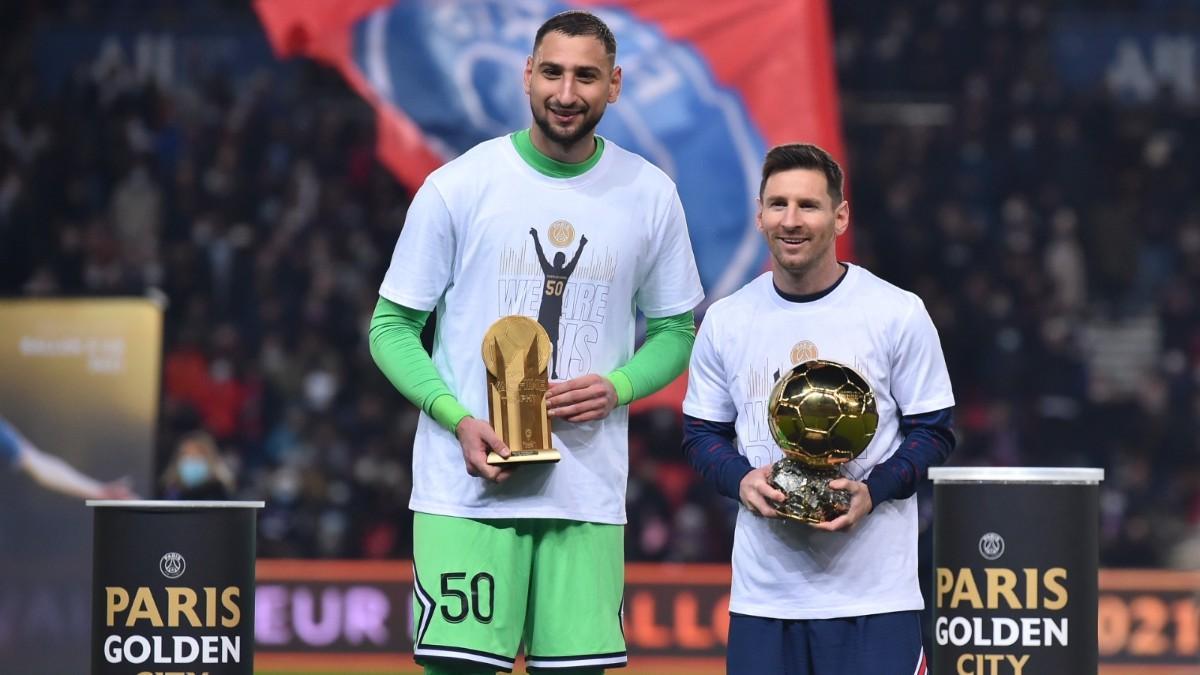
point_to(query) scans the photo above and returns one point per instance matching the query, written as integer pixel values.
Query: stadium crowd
(1054, 234)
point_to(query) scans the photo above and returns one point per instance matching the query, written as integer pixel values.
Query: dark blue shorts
(877, 644)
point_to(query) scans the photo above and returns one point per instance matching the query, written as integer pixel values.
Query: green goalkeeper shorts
(482, 588)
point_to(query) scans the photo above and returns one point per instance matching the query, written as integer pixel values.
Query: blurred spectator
(197, 471)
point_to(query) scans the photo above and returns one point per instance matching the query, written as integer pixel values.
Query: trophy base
(547, 456)
(809, 497)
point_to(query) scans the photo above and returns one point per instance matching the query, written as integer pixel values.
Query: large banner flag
(708, 88)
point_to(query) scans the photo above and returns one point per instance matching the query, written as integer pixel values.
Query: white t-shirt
(466, 249)
(781, 568)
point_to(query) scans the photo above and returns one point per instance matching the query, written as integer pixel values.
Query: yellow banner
(79, 391)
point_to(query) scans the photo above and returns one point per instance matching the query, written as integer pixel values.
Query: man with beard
(498, 550)
(838, 597)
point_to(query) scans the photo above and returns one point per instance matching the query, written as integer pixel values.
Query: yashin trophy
(822, 414)
(516, 353)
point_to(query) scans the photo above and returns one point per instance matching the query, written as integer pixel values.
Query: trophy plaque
(516, 353)
(822, 414)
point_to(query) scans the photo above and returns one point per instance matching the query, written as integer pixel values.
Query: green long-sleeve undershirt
(395, 337)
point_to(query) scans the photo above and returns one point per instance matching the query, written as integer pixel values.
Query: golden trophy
(516, 352)
(822, 414)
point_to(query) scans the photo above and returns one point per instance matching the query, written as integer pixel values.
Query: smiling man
(840, 597)
(570, 80)
(499, 553)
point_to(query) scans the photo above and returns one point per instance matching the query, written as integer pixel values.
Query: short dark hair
(577, 23)
(803, 156)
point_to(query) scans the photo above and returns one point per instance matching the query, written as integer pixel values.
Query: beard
(820, 248)
(566, 139)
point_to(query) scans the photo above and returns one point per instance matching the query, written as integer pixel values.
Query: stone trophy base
(809, 497)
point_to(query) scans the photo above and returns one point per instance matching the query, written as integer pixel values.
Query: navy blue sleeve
(928, 441)
(709, 447)
(10, 444)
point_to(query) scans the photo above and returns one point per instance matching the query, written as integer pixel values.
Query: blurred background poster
(80, 385)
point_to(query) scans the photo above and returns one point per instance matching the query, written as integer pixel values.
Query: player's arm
(418, 276)
(919, 383)
(11, 443)
(575, 260)
(709, 415)
(709, 431)
(537, 247)
(921, 386)
(667, 295)
(662, 357)
(422, 269)
(395, 338)
(55, 474)
(928, 440)
(709, 448)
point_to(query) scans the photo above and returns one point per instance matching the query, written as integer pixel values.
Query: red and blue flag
(708, 88)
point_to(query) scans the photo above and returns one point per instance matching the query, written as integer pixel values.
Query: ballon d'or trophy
(822, 414)
(516, 352)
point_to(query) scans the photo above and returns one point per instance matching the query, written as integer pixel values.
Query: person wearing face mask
(197, 471)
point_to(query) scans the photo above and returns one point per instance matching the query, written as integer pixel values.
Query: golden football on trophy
(821, 414)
